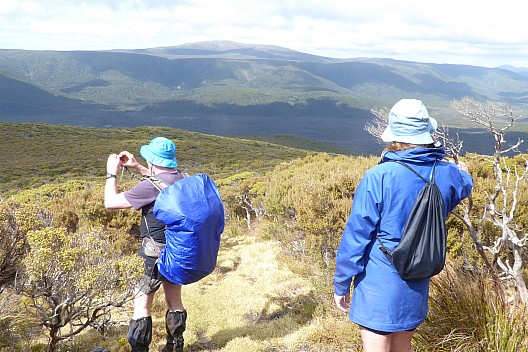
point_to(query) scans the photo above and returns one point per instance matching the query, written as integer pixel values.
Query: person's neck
(158, 169)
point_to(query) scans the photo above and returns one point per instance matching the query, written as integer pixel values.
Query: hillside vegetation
(272, 288)
(35, 154)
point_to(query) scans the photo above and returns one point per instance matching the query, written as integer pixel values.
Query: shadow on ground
(294, 312)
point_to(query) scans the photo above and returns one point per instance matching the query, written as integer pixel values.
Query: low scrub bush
(317, 193)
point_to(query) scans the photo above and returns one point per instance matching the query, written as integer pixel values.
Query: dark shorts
(382, 332)
(152, 279)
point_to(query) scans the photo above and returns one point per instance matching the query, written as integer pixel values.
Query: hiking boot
(175, 326)
(140, 334)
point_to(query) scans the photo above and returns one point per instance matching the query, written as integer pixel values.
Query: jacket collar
(415, 155)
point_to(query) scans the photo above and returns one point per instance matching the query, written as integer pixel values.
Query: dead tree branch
(500, 206)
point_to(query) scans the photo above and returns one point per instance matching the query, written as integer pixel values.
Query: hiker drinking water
(387, 307)
(161, 163)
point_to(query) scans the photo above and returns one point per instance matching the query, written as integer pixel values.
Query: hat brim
(152, 158)
(423, 138)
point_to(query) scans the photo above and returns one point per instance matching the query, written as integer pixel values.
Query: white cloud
(469, 32)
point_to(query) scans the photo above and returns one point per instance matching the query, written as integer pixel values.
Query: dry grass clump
(468, 312)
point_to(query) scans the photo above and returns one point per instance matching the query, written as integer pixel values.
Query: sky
(471, 32)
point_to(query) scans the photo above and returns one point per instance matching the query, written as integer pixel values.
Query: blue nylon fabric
(193, 211)
(382, 203)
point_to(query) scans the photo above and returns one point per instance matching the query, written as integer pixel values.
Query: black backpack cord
(433, 171)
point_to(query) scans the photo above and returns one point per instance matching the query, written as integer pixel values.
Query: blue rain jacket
(382, 203)
(193, 213)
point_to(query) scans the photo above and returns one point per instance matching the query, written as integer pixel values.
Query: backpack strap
(433, 171)
(431, 177)
(384, 249)
(159, 184)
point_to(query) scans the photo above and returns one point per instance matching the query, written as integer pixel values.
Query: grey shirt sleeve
(144, 193)
(141, 194)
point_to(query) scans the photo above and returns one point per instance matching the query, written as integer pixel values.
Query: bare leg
(175, 318)
(142, 304)
(373, 342)
(140, 327)
(173, 296)
(394, 342)
(401, 341)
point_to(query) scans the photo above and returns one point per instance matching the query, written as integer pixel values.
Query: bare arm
(112, 199)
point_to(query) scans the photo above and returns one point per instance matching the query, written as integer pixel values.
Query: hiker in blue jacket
(387, 308)
(161, 162)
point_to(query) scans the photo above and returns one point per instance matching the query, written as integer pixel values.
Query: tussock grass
(467, 312)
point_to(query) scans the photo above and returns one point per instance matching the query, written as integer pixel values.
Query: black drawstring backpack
(421, 252)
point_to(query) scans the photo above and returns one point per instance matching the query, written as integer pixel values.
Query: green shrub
(317, 193)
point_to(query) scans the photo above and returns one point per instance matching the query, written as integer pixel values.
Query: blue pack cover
(193, 211)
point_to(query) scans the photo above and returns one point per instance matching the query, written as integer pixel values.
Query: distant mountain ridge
(520, 70)
(229, 50)
(229, 81)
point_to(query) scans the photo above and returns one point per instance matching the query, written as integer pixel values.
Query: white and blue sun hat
(409, 122)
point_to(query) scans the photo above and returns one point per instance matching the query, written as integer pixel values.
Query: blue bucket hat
(409, 122)
(160, 152)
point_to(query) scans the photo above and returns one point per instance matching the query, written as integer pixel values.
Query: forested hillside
(235, 89)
